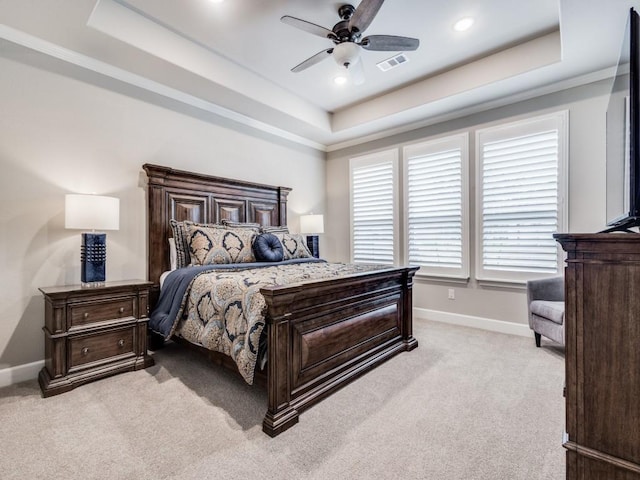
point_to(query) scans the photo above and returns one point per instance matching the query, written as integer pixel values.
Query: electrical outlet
(452, 294)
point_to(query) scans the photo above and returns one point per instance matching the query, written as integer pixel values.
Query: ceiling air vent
(393, 62)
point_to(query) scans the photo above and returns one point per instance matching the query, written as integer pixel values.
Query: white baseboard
(20, 373)
(474, 322)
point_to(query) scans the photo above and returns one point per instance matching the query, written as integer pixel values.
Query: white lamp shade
(311, 224)
(91, 212)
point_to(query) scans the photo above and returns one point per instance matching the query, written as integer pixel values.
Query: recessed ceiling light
(463, 24)
(216, 1)
(340, 80)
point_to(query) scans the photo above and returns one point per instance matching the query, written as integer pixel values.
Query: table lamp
(95, 213)
(312, 225)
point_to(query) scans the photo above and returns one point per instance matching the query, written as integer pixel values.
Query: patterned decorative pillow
(274, 229)
(181, 238)
(182, 249)
(294, 246)
(213, 245)
(231, 224)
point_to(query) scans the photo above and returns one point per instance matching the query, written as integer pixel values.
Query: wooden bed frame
(321, 335)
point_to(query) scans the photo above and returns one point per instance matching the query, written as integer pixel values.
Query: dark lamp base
(93, 257)
(313, 245)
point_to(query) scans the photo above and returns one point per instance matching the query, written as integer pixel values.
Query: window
(374, 208)
(436, 206)
(520, 192)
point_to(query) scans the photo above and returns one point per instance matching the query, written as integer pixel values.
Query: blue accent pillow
(267, 248)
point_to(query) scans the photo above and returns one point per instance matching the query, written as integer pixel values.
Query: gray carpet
(467, 404)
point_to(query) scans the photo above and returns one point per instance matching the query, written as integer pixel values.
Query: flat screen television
(623, 134)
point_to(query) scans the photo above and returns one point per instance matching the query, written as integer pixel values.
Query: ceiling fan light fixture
(463, 24)
(346, 53)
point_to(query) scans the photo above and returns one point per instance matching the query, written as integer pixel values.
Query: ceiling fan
(347, 38)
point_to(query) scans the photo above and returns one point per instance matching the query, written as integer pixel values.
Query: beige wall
(586, 207)
(67, 133)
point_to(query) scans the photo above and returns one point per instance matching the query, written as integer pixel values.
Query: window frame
(426, 147)
(389, 156)
(514, 128)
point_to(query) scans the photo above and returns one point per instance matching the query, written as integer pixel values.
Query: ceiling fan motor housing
(346, 11)
(342, 30)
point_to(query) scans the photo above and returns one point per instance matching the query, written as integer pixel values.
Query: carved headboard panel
(184, 195)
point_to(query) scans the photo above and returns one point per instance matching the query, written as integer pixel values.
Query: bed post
(280, 414)
(157, 246)
(282, 205)
(410, 341)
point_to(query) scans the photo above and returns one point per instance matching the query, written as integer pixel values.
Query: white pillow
(173, 254)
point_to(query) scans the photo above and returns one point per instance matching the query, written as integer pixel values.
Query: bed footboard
(324, 334)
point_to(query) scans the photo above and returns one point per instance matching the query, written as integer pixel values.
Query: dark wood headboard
(185, 195)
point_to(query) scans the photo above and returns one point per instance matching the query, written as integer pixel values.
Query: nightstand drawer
(91, 348)
(85, 313)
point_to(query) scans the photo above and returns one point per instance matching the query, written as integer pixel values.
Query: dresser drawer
(99, 311)
(85, 349)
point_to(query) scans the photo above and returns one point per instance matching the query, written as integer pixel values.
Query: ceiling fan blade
(307, 26)
(317, 58)
(389, 43)
(356, 72)
(364, 14)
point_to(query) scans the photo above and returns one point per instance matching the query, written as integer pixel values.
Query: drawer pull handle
(86, 315)
(121, 310)
(85, 351)
(121, 343)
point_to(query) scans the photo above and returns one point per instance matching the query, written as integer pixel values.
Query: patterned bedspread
(224, 311)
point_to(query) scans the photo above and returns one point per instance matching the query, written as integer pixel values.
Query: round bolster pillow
(267, 248)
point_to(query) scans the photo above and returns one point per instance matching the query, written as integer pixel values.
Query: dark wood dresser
(93, 332)
(602, 328)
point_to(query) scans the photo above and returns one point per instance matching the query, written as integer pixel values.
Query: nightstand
(93, 332)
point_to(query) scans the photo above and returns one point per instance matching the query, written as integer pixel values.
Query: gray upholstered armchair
(545, 300)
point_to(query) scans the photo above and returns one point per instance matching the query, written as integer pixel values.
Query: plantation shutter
(520, 198)
(436, 214)
(373, 211)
